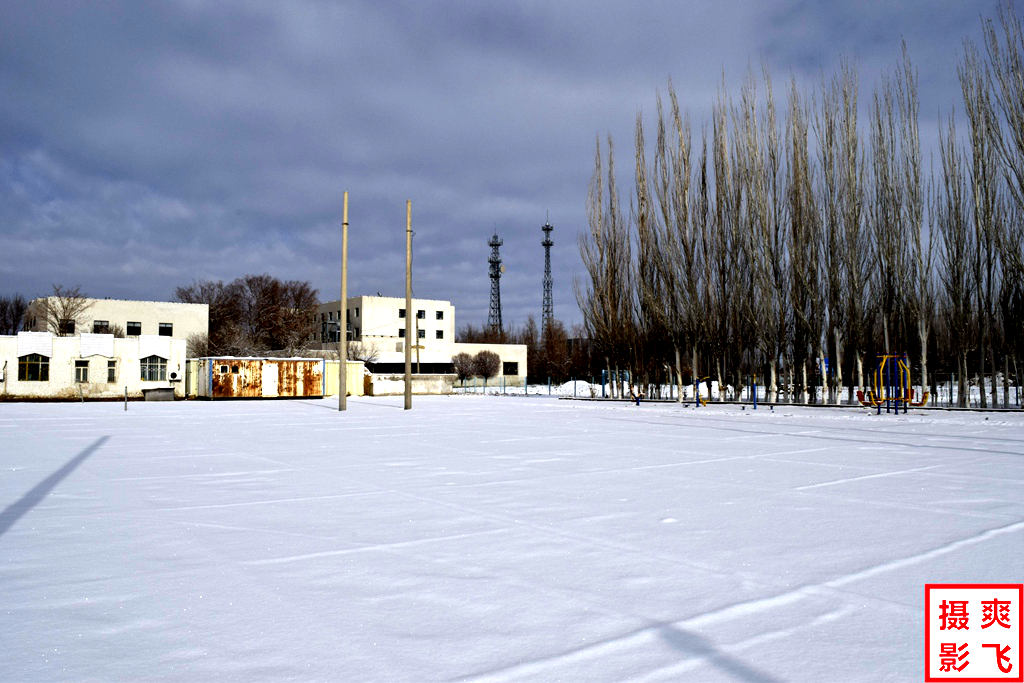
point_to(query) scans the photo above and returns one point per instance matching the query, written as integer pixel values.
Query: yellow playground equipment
(890, 385)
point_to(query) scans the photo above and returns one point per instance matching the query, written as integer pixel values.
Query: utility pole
(408, 304)
(343, 325)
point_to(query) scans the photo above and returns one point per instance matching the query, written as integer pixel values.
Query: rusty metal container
(227, 377)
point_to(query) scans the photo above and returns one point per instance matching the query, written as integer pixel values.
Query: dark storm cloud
(144, 145)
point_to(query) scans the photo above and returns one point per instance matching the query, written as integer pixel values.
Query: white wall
(376, 317)
(64, 351)
(186, 319)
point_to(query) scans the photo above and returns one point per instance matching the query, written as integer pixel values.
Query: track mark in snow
(863, 477)
(377, 546)
(748, 607)
(269, 502)
(926, 555)
(202, 474)
(231, 527)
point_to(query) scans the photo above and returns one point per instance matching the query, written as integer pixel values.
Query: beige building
(134, 318)
(41, 365)
(377, 323)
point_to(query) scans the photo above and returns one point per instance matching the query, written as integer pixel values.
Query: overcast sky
(145, 145)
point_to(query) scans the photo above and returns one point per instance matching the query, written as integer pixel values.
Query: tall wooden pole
(343, 329)
(408, 305)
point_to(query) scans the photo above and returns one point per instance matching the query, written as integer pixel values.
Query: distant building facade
(382, 318)
(377, 323)
(44, 366)
(134, 318)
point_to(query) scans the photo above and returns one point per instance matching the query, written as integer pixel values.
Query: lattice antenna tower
(496, 269)
(548, 307)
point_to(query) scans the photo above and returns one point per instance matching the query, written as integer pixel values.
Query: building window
(439, 315)
(401, 312)
(111, 371)
(33, 368)
(439, 334)
(133, 328)
(510, 368)
(357, 311)
(401, 333)
(223, 369)
(154, 368)
(421, 334)
(81, 371)
(234, 369)
(101, 327)
(66, 327)
(421, 314)
(166, 330)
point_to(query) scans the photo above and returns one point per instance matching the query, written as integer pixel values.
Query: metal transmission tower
(548, 309)
(496, 269)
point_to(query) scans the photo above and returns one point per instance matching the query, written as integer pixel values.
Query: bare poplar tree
(828, 132)
(605, 251)
(677, 268)
(1005, 52)
(804, 242)
(918, 285)
(886, 215)
(648, 294)
(951, 213)
(772, 260)
(985, 178)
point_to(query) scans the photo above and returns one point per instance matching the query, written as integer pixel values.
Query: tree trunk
(608, 372)
(837, 365)
(693, 372)
(961, 388)
(922, 335)
(824, 376)
(981, 375)
(773, 384)
(721, 384)
(679, 376)
(995, 386)
(1006, 381)
(860, 370)
(1016, 374)
(804, 395)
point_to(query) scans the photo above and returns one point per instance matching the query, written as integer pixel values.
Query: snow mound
(578, 388)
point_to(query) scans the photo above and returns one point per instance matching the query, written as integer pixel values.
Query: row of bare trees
(253, 314)
(781, 235)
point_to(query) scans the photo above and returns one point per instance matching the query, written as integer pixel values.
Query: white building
(134, 318)
(378, 322)
(41, 365)
(382, 318)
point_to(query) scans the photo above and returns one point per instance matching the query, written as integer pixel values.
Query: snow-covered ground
(492, 538)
